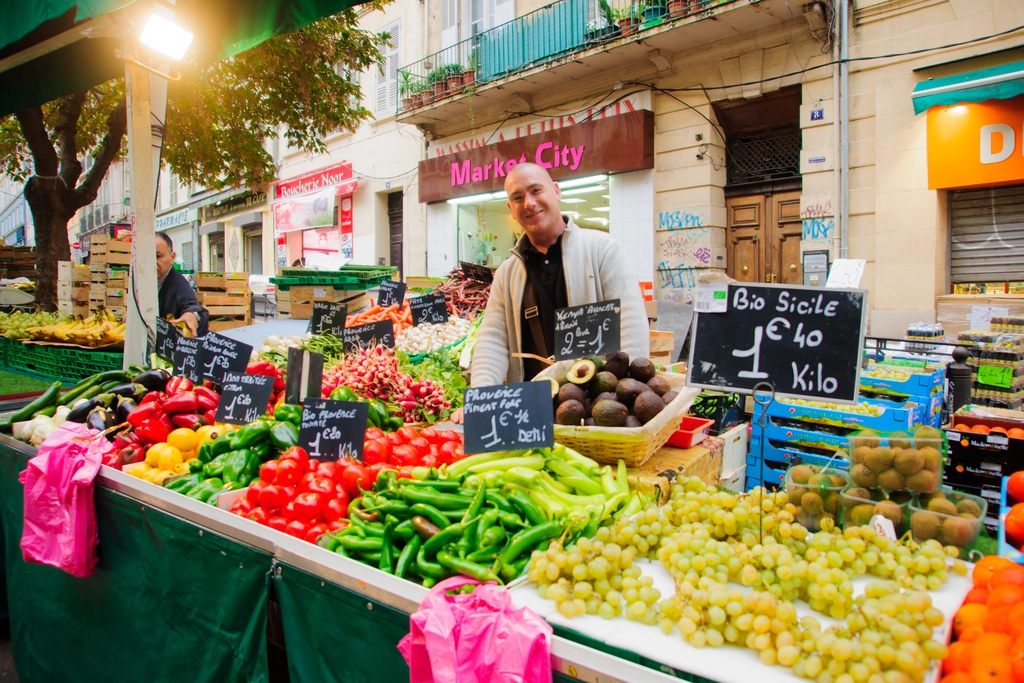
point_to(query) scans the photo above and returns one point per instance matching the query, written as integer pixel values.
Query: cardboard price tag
(328, 317)
(390, 292)
(587, 330)
(333, 429)
(222, 354)
(243, 398)
(995, 376)
(361, 336)
(430, 308)
(508, 417)
(186, 357)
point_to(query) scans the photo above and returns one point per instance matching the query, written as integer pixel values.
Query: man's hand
(190, 320)
(456, 417)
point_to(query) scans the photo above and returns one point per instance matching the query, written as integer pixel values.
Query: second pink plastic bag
(476, 638)
(60, 517)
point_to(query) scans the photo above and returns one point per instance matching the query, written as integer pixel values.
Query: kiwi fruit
(924, 525)
(931, 458)
(879, 459)
(800, 474)
(838, 481)
(832, 502)
(861, 514)
(859, 455)
(908, 461)
(942, 506)
(795, 493)
(959, 532)
(900, 497)
(968, 507)
(899, 440)
(890, 480)
(867, 438)
(927, 434)
(658, 385)
(862, 475)
(817, 479)
(812, 502)
(922, 481)
(890, 510)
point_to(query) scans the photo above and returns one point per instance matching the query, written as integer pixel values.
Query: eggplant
(101, 419)
(153, 380)
(105, 400)
(130, 390)
(125, 406)
(82, 409)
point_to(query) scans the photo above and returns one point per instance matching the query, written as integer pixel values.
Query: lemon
(153, 454)
(169, 458)
(181, 468)
(183, 439)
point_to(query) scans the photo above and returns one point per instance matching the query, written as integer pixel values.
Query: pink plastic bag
(476, 638)
(60, 517)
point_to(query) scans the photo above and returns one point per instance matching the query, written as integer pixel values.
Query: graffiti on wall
(818, 228)
(691, 248)
(820, 210)
(680, 219)
(677, 285)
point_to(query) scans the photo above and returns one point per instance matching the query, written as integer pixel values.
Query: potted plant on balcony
(678, 8)
(420, 91)
(453, 73)
(469, 73)
(437, 80)
(629, 18)
(655, 10)
(406, 90)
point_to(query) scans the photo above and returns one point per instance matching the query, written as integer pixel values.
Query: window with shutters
(449, 23)
(174, 190)
(186, 255)
(387, 73)
(987, 240)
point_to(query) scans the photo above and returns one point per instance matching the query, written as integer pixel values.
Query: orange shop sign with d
(976, 144)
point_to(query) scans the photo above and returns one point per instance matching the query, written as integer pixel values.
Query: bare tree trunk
(52, 205)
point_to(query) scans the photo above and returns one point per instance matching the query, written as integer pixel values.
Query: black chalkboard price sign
(186, 357)
(243, 398)
(328, 317)
(429, 308)
(333, 429)
(476, 272)
(166, 334)
(363, 336)
(222, 354)
(588, 330)
(390, 292)
(805, 341)
(508, 417)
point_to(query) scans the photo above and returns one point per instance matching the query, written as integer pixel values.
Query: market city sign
(976, 144)
(173, 220)
(613, 145)
(312, 182)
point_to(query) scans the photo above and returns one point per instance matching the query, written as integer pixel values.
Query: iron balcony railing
(551, 32)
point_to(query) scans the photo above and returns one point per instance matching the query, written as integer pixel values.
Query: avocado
(605, 394)
(589, 422)
(598, 362)
(571, 392)
(582, 371)
(587, 406)
(658, 385)
(631, 422)
(618, 365)
(641, 369)
(608, 413)
(627, 390)
(563, 378)
(669, 396)
(603, 382)
(570, 413)
(647, 406)
(550, 380)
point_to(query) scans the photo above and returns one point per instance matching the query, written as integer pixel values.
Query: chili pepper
(431, 513)
(189, 421)
(153, 397)
(203, 490)
(215, 468)
(287, 412)
(408, 556)
(511, 572)
(235, 464)
(428, 569)
(466, 568)
(145, 411)
(477, 504)
(365, 516)
(446, 536)
(488, 519)
(368, 528)
(228, 486)
(328, 542)
(152, 431)
(249, 435)
(446, 485)
(353, 542)
(527, 538)
(424, 527)
(493, 536)
(183, 484)
(484, 555)
(404, 531)
(390, 507)
(455, 515)
(595, 521)
(340, 550)
(442, 501)
(284, 435)
(527, 508)
(500, 501)
(387, 560)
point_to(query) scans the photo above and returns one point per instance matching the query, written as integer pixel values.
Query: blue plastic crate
(782, 457)
(918, 384)
(925, 407)
(796, 436)
(773, 478)
(890, 420)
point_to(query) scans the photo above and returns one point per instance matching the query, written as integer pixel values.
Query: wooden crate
(209, 281)
(115, 302)
(661, 346)
(217, 311)
(300, 311)
(221, 325)
(118, 258)
(222, 299)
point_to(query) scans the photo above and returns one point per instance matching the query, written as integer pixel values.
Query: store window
(387, 73)
(987, 240)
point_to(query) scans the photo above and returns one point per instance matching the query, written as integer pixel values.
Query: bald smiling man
(553, 265)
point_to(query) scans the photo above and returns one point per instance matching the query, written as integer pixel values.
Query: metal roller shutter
(987, 229)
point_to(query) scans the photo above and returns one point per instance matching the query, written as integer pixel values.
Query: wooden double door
(763, 238)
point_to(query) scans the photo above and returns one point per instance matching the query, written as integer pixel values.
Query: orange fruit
(1016, 620)
(958, 677)
(1016, 433)
(1014, 523)
(998, 430)
(990, 645)
(1017, 660)
(1008, 595)
(971, 634)
(995, 670)
(969, 616)
(980, 429)
(959, 658)
(1015, 484)
(998, 619)
(1012, 575)
(976, 596)
(987, 566)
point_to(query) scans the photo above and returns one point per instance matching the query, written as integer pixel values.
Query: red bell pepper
(182, 402)
(144, 412)
(153, 431)
(126, 438)
(208, 399)
(165, 420)
(211, 416)
(153, 397)
(132, 454)
(189, 421)
(177, 385)
(113, 458)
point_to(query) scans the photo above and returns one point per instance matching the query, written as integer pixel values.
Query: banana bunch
(99, 329)
(23, 286)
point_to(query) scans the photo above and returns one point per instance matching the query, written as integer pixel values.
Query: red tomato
(393, 439)
(354, 478)
(428, 460)
(335, 509)
(372, 434)
(272, 497)
(242, 506)
(253, 493)
(322, 485)
(338, 525)
(307, 479)
(406, 434)
(430, 434)
(345, 462)
(309, 505)
(313, 466)
(403, 473)
(268, 471)
(297, 454)
(289, 511)
(421, 445)
(258, 515)
(379, 467)
(288, 472)
(375, 452)
(450, 452)
(288, 491)
(1015, 486)
(316, 531)
(329, 470)
(297, 528)
(277, 522)
(450, 435)
(405, 456)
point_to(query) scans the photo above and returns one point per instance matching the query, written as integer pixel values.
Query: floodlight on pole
(166, 37)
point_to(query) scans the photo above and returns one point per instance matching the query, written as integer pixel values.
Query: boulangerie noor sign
(613, 145)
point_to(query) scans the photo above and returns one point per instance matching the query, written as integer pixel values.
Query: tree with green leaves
(218, 120)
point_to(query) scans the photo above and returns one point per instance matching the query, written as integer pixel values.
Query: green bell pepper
(343, 393)
(284, 435)
(203, 490)
(220, 446)
(205, 453)
(262, 450)
(287, 412)
(394, 424)
(195, 465)
(184, 484)
(228, 486)
(249, 435)
(235, 464)
(378, 414)
(215, 468)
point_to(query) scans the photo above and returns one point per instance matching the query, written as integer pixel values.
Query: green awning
(47, 49)
(997, 83)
